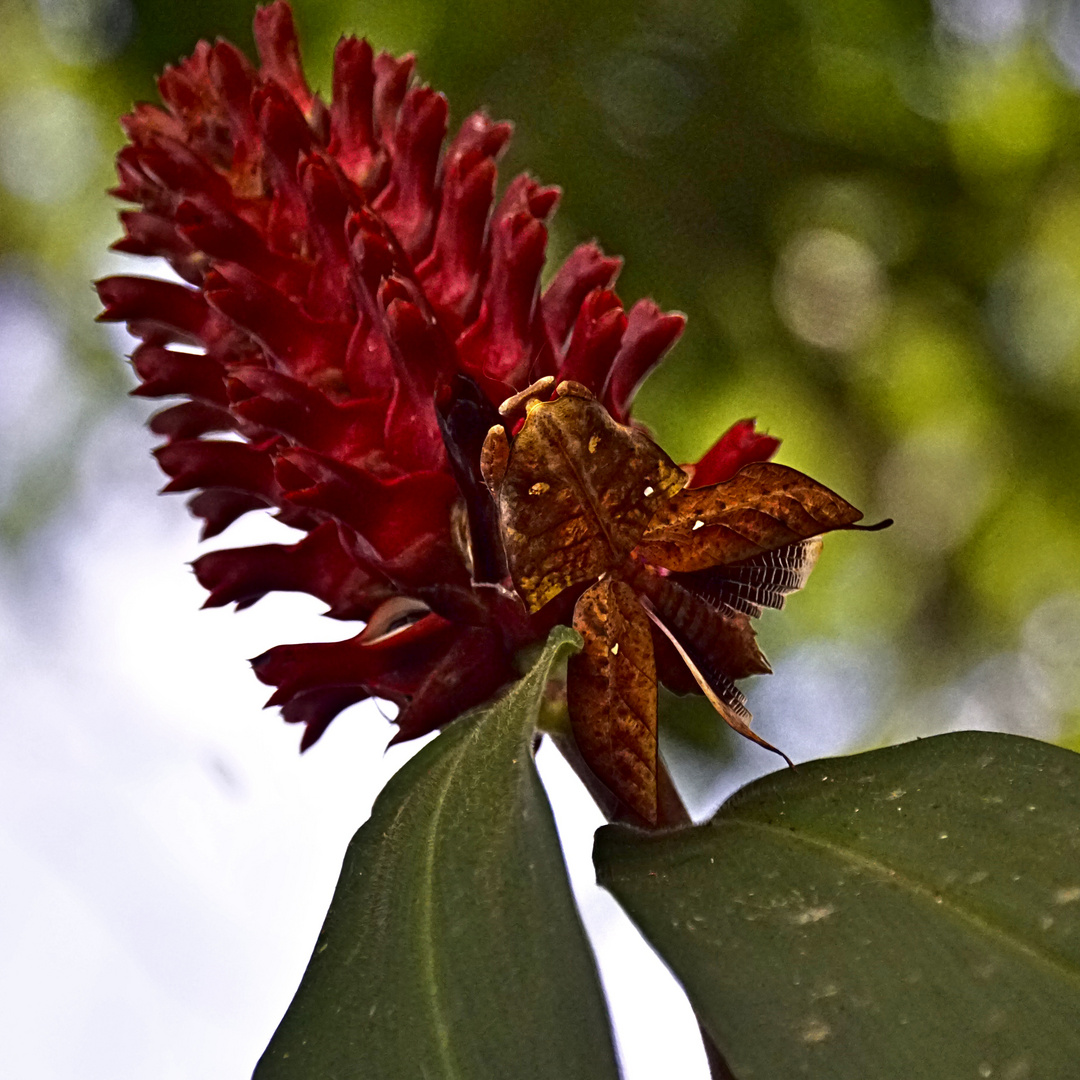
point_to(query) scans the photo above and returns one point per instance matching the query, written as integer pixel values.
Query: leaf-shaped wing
(764, 507)
(577, 494)
(611, 694)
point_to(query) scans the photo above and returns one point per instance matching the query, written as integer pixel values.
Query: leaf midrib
(427, 885)
(427, 935)
(917, 888)
(588, 502)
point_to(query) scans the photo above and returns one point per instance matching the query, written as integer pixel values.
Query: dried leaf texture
(763, 508)
(611, 694)
(577, 493)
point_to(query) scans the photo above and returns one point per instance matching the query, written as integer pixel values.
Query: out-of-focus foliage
(870, 212)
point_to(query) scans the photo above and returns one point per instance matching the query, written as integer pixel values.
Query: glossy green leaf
(452, 948)
(908, 913)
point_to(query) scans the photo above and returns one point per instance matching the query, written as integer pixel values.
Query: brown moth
(674, 575)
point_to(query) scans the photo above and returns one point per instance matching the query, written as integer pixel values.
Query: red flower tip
(279, 51)
(344, 267)
(649, 334)
(740, 445)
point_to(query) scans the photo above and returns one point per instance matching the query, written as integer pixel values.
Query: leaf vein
(922, 890)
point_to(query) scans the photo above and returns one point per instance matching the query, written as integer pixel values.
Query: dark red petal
(190, 419)
(317, 565)
(649, 334)
(391, 82)
(135, 186)
(738, 446)
(305, 347)
(155, 310)
(181, 86)
(152, 234)
(293, 669)
(328, 199)
(352, 122)
(146, 120)
(165, 372)
(315, 709)
(279, 50)
(173, 167)
(234, 80)
(349, 431)
(586, 268)
(227, 237)
(404, 521)
(433, 671)
(473, 668)
(524, 195)
(285, 136)
(451, 273)
(205, 463)
(425, 353)
(409, 201)
(220, 507)
(508, 340)
(595, 341)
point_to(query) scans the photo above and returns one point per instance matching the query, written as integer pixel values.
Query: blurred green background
(869, 209)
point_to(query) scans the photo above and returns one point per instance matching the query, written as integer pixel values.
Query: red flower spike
(343, 270)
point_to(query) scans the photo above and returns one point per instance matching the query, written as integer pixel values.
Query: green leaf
(910, 912)
(452, 948)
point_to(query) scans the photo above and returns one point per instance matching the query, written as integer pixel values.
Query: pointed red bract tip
(740, 445)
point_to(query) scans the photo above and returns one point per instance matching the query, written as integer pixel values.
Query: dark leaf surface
(452, 948)
(909, 912)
